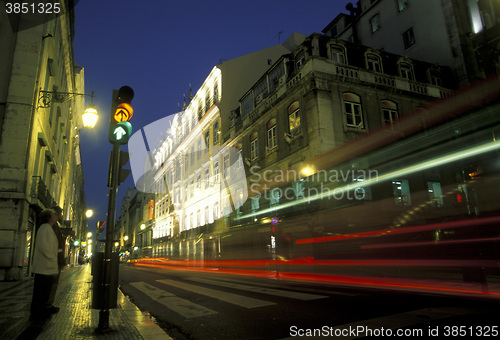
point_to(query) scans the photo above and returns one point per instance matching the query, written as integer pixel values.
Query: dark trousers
(41, 293)
(53, 289)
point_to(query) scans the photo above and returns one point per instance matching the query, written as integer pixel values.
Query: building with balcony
(460, 34)
(40, 164)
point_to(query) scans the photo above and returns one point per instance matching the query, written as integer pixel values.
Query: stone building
(40, 164)
(461, 34)
(312, 99)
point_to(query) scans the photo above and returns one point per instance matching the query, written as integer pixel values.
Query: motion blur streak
(417, 244)
(454, 224)
(429, 286)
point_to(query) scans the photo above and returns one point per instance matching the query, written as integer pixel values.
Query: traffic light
(121, 111)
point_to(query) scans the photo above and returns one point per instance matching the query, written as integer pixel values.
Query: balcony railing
(39, 191)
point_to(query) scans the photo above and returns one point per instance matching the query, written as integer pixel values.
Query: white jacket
(46, 247)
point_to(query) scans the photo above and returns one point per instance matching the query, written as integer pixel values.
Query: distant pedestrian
(45, 265)
(61, 261)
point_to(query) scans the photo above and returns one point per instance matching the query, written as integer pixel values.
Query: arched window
(374, 62)
(352, 111)
(337, 54)
(406, 70)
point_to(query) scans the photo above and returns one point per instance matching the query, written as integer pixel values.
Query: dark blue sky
(159, 48)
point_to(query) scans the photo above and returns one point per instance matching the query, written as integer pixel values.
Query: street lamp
(89, 116)
(89, 213)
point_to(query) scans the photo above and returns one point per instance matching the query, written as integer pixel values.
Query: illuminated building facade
(316, 97)
(39, 144)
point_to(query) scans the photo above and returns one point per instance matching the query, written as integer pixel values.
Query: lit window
(353, 113)
(298, 189)
(390, 115)
(272, 141)
(338, 54)
(294, 118)
(254, 146)
(373, 62)
(375, 23)
(409, 38)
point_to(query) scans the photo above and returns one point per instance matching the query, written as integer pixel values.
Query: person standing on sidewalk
(61, 261)
(45, 265)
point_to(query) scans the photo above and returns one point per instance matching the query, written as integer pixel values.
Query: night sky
(159, 48)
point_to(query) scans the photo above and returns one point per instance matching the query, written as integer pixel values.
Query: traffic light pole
(108, 250)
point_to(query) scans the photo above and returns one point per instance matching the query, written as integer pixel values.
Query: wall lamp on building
(89, 116)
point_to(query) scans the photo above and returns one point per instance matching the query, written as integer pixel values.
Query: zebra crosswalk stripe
(235, 299)
(262, 290)
(181, 306)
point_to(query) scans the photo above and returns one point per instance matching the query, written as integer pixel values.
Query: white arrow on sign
(119, 132)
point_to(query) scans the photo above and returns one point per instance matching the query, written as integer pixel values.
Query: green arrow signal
(119, 132)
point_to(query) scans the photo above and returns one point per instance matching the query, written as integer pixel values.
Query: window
(300, 59)
(298, 189)
(435, 77)
(353, 113)
(409, 38)
(254, 146)
(435, 194)
(373, 62)
(375, 23)
(271, 135)
(406, 71)
(294, 118)
(401, 190)
(192, 187)
(208, 104)
(207, 140)
(390, 115)
(226, 165)
(338, 54)
(334, 31)
(216, 172)
(216, 93)
(192, 155)
(255, 203)
(207, 178)
(402, 4)
(216, 210)
(274, 197)
(239, 156)
(216, 132)
(206, 215)
(199, 148)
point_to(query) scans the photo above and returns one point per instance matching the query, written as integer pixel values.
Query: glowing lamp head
(89, 117)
